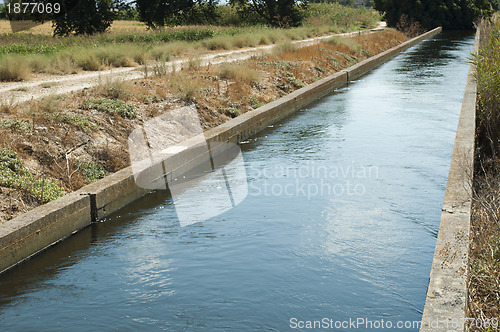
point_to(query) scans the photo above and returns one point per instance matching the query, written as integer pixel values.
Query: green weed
(111, 106)
(93, 171)
(14, 175)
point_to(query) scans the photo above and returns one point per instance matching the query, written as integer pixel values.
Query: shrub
(218, 43)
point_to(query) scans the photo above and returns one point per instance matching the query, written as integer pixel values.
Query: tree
(158, 13)
(276, 13)
(450, 14)
(84, 16)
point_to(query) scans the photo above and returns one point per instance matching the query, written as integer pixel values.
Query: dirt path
(23, 91)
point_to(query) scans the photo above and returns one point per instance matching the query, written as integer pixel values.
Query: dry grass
(46, 28)
(239, 73)
(14, 69)
(114, 89)
(188, 88)
(484, 264)
(284, 47)
(350, 43)
(484, 272)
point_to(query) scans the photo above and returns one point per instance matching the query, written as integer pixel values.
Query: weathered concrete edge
(28, 234)
(446, 302)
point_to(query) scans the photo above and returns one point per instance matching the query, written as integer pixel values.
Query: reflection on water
(318, 239)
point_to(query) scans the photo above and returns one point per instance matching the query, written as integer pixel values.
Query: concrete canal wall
(446, 302)
(31, 233)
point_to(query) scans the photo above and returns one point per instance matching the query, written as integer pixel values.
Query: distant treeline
(95, 16)
(450, 14)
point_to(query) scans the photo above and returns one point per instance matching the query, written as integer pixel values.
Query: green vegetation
(93, 171)
(275, 13)
(14, 175)
(111, 106)
(488, 85)
(339, 16)
(450, 14)
(74, 119)
(83, 17)
(159, 13)
(22, 125)
(231, 111)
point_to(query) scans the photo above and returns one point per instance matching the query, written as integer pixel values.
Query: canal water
(340, 223)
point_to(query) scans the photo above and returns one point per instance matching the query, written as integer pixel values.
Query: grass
(14, 175)
(35, 52)
(350, 43)
(284, 47)
(14, 68)
(114, 89)
(488, 78)
(188, 89)
(239, 73)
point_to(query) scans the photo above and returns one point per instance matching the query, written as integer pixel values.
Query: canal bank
(28, 234)
(446, 301)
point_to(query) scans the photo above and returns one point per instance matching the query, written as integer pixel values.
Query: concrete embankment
(446, 302)
(28, 234)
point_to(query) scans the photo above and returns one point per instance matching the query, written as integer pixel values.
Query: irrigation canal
(341, 219)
